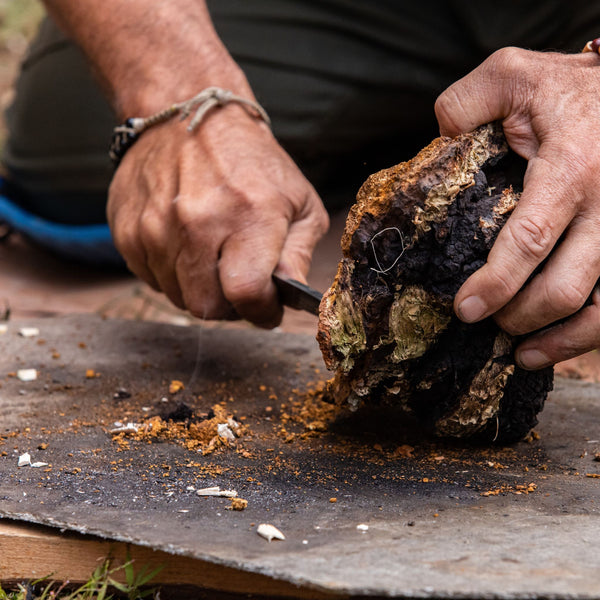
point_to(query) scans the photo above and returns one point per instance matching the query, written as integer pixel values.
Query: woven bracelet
(125, 135)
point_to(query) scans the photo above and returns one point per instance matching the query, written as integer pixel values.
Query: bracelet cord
(125, 135)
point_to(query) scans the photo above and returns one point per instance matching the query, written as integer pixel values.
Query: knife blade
(297, 295)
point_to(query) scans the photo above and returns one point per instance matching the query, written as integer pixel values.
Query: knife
(297, 295)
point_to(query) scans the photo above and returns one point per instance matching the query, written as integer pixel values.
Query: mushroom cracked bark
(387, 327)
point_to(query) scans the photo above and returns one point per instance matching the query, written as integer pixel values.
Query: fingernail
(533, 359)
(471, 309)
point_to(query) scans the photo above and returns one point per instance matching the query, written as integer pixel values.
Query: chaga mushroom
(387, 327)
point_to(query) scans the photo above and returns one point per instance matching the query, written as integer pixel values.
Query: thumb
(482, 96)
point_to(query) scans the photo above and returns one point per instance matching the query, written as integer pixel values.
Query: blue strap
(91, 244)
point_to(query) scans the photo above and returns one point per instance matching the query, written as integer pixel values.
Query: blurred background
(18, 22)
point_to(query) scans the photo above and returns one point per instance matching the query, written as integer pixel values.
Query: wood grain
(31, 551)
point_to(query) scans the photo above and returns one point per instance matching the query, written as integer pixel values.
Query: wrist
(155, 87)
(197, 108)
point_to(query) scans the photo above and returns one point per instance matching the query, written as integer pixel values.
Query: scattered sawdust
(307, 409)
(532, 436)
(238, 504)
(509, 489)
(298, 417)
(175, 386)
(201, 435)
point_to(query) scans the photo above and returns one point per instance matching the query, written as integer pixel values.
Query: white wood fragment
(229, 493)
(216, 491)
(225, 432)
(269, 532)
(37, 465)
(24, 460)
(209, 491)
(127, 428)
(27, 374)
(3, 328)
(28, 332)
(362, 527)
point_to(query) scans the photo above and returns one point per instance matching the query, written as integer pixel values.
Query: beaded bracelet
(592, 46)
(125, 135)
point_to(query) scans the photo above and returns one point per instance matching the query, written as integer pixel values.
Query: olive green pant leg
(59, 127)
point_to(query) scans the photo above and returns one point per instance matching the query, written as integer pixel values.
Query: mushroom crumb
(238, 504)
(175, 386)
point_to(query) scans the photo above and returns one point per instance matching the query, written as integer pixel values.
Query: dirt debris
(176, 386)
(238, 504)
(201, 435)
(510, 489)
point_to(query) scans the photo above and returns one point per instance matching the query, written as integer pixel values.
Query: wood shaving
(269, 532)
(24, 460)
(28, 332)
(216, 491)
(27, 374)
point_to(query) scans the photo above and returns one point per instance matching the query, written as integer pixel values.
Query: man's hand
(207, 216)
(210, 229)
(549, 105)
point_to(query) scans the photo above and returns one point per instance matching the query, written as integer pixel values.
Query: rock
(387, 327)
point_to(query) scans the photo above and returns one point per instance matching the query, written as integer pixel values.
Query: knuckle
(323, 222)
(506, 286)
(446, 107)
(244, 290)
(532, 237)
(151, 229)
(204, 305)
(566, 347)
(125, 241)
(566, 298)
(508, 60)
(190, 212)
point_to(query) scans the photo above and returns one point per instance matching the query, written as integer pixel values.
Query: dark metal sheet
(431, 531)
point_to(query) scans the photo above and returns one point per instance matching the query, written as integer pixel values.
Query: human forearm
(149, 53)
(205, 216)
